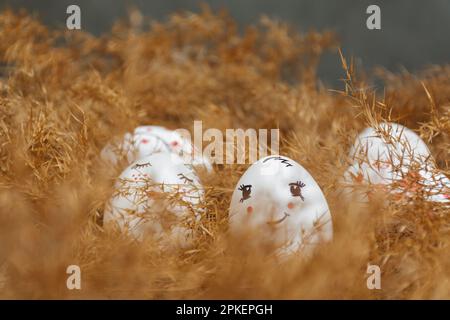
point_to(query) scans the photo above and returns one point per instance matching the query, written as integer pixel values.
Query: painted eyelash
(139, 166)
(184, 178)
(241, 188)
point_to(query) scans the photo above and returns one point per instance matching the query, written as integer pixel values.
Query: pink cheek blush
(249, 209)
(291, 205)
(144, 141)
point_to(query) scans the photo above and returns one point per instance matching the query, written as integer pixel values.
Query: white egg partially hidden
(157, 196)
(281, 205)
(148, 140)
(392, 157)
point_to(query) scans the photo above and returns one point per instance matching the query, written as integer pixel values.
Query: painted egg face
(279, 202)
(148, 140)
(393, 154)
(157, 196)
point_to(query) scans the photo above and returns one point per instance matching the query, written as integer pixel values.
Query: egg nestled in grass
(280, 204)
(158, 196)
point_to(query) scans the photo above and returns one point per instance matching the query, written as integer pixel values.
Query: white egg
(280, 204)
(117, 149)
(157, 196)
(147, 140)
(395, 158)
(436, 186)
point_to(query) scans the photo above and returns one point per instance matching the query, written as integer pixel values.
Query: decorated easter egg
(280, 204)
(157, 196)
(393, 157)
(147, 140)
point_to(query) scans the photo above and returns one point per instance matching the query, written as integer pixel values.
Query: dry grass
(65, 94)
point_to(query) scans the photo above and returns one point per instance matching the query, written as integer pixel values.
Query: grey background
(414, 33)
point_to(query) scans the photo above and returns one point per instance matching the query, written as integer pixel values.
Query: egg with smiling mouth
(280, 204)
(157, 197)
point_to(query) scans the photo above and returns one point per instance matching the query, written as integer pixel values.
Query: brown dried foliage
(65, 94)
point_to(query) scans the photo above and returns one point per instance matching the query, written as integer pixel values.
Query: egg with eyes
(393, 157)
(148, 140)
(281, 205)
(157, 196)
